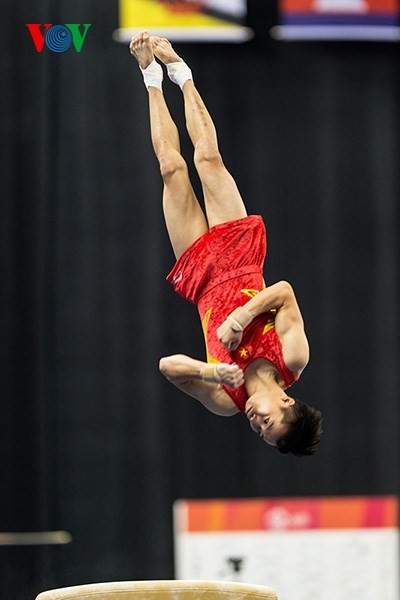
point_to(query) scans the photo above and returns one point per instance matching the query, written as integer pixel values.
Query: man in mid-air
(255, 339)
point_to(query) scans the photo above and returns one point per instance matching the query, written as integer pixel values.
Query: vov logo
(58, 38)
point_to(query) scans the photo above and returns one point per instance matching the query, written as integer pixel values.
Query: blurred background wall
(93, 439)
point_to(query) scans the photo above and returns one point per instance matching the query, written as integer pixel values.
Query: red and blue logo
(58, 38)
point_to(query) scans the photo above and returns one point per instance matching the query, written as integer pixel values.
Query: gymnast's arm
(187, 374)
(289, 323)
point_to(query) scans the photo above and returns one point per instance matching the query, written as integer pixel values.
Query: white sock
(153, 75)
(179, 73)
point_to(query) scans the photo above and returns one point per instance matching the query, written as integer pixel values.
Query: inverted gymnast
(255, 339)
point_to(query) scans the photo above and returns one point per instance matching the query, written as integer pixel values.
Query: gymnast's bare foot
(141, 48)
(164, 51)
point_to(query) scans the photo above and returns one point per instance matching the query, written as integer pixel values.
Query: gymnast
(256, 345)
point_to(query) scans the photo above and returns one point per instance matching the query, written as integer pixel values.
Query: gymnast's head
(286, 423)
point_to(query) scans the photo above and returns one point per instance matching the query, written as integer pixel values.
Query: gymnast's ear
(289, 401)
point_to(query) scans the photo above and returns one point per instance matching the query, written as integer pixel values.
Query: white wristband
(234, 325)
(210, 373)
(239, 319)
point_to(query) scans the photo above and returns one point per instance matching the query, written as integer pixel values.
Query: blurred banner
(375, 20)
(184, 20)
(327, 547)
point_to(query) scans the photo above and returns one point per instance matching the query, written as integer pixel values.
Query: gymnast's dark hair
(305, 430)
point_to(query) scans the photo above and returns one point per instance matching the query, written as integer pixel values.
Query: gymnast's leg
(223, 201)
(184, 217)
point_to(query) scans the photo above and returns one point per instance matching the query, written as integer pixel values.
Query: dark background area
(93, 440)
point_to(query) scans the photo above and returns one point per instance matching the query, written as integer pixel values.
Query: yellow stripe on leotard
(204, 324)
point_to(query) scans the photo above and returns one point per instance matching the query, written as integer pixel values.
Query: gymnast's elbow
(163, 365)
(285, 287)
(168, 366)
(178, 369)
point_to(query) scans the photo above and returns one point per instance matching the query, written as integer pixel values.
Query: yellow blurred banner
(184, 20)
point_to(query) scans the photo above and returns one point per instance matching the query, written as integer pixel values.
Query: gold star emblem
(243, 353)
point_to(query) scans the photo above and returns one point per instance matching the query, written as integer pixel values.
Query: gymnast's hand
(229, 337)
(230, 375)
(230, 333)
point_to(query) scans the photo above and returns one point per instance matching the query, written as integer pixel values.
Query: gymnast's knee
(172, 166)
(207, 156)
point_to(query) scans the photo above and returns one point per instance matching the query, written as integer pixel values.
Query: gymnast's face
(266, 414)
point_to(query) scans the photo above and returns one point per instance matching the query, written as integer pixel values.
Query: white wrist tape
(210, 373)
(234, 325)
(240, 319)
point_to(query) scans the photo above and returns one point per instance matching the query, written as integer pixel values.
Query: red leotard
(220, 271)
